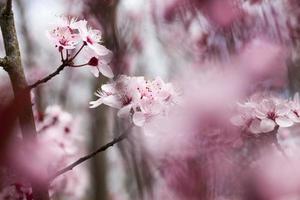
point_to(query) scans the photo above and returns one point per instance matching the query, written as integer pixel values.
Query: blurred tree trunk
(98, 136)
(30, 51)
(105, 13)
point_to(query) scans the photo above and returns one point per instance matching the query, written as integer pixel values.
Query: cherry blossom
(58, 143)
(75, 34)
(295, 108)
(16, 191)
(91, 37)
(264, 114)
(64, 35)
(99, 64)
(137, 98)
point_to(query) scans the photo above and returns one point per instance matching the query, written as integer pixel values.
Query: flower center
(89, 40)
(272, 115)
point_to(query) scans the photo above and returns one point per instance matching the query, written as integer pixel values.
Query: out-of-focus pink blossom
(57, 145)
(137, 98)
(16, 191)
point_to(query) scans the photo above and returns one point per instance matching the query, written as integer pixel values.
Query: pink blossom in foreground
(137, 98)
(262, 114)
(58, 144)
(16, 192)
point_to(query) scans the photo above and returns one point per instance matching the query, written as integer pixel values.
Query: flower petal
(124, 112)
(255, 126)
(294, 117)
(112, 101)
(267, 125)
(95, 71)
(138, 118)
(284, 121)
(94, 104)
(99, 49)
(106, 70)
(282, 109)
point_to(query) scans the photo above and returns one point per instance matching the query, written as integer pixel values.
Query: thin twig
(62, 56)
(91, 155)
(71, 59)
(49, 77)
(81, 65)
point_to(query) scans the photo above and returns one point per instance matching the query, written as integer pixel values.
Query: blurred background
(256, 40)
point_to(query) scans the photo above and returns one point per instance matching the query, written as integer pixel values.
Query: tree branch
(8, 7)
(3, 62)
(12, 64)
(49, 77)
(91, 155)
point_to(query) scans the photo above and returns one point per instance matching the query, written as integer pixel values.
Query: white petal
(95, 71)
(259, 114)
(125, 111)
(294, 117)
(296, 98)
(112, 101)
(94, 104)
(106, 59)
(267, 125)
(267, 106)
(255, 126)
(106, 71)
(99, 49)
(139, 119)
(108, 88)
(282, 109)
(284, 121)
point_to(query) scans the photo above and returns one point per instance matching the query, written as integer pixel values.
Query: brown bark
(12, 64)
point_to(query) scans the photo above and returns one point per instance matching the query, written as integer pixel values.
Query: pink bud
(93, 61)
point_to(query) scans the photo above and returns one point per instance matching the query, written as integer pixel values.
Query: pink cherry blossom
(263, 115)
(99, 64)
(137, 98)
(295, 108)
(91, 37)
(64, 35)
(16, 191)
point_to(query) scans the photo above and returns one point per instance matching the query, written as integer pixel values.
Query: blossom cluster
(70, 34)
(58, 144)
(263, 114)
(62, 143)
(16, 191)
(137, 98)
